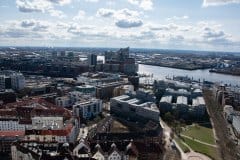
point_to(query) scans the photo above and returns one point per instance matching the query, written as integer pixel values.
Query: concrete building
(128, 106)
(228, 112)
(124, 89)
(120, 61)
(98, 78)
(47, 122)
(2, 82)
(182, 104)
(86, 89)
(87, 108)
(236, 125)
(166, 104)
(64, 101)
(11, 80)
(198, 106)
(106, 91)
(92, 59)
(18, 81)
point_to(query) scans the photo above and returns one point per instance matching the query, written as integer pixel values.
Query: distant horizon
(136, 48)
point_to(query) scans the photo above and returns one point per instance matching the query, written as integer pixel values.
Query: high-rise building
(2, 82)
(120, 61)
(18, 81)
(92, 59)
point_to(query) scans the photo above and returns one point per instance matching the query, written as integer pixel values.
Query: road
(227, 147)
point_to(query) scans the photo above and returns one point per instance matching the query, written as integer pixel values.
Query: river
(204, 74)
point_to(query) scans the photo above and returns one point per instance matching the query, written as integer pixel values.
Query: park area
(200, 133)
(199, 139)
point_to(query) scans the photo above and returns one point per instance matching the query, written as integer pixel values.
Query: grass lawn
(202, 148)
(181, 145)
(200, 133)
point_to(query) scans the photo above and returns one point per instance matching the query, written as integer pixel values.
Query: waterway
(203, 74)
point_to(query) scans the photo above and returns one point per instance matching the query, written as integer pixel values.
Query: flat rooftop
(182, 100)
(167, 99)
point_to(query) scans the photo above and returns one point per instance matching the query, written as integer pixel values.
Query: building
(17, 81)
(8, 96)
(67, 133)
(86, 89)
(120, 61)
(87, 108)
(106, 91)
(236, 125)
(2, 82)
(72, 97)
(198, 106)
(7, 138)
(39, 120)
(92, 59)
(98, 78)
(47, 122)
(124, 89)
(10, 122)
(135, 108)
(64, 101)
(166, 104)
(90, 150)
(228, 112)
(11, 80)
(182, 105)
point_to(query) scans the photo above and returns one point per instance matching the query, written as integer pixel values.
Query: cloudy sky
(166, 24)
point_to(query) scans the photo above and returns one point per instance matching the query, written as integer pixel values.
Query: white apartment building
(17, 81)
(47, 122)
(64, 101)
(133, 107)
(87, 108)
(12, 124)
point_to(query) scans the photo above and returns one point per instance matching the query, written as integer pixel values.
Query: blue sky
(166, 24)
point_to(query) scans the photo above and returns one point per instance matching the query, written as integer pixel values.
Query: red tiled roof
(29, 101)
(51, 112)
(11, 133)
(8, 113)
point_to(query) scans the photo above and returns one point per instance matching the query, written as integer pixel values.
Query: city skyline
(195, 25)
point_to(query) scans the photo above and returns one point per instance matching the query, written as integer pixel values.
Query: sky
(161, 24)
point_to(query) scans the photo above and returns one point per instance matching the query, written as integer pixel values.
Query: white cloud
(61, 2)
(81, 15)
(207, 3)
(103, 12)
(174, 18)
(128, 23)
(44, 6)
(57, 13)
(124, 18)
(194, 35)
(144, 4)
(33, 5)
(91, 0)
(28, 23)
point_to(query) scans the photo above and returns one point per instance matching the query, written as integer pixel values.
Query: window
(133, 109)
(119, 105)
(94, 108)
(88, 109)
